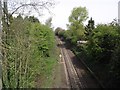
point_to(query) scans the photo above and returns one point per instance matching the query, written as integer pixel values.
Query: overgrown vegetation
(102, 50)
(28, 57)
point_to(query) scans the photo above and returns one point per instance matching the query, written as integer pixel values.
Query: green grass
(47, 72)
(50, 64)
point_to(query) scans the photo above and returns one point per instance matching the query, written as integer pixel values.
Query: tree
(89, 28)
(76, 27)
(49, 22)
(57, 30)
(32, 19)
(78, 15)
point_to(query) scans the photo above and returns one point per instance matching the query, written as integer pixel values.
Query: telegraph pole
(0, 44)
(5, 9)
(119, 12)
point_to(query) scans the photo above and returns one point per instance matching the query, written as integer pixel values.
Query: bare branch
(36, 6)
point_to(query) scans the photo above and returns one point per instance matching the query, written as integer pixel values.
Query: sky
(102, 11)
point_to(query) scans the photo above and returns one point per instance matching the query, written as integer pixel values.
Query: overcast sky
(102, 11)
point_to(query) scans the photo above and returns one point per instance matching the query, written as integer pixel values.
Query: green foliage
(27, 48)
(32, 19)
(104, 40)
(89, 29)
(102, 52)
(67, 35)
(76, 19)
(44, 35)
(78, 15)
(76, 29)
(57, 30)
(61, 33)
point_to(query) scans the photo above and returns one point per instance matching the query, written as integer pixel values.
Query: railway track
(77, 76)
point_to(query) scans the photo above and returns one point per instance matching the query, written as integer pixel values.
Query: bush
(26, 49)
